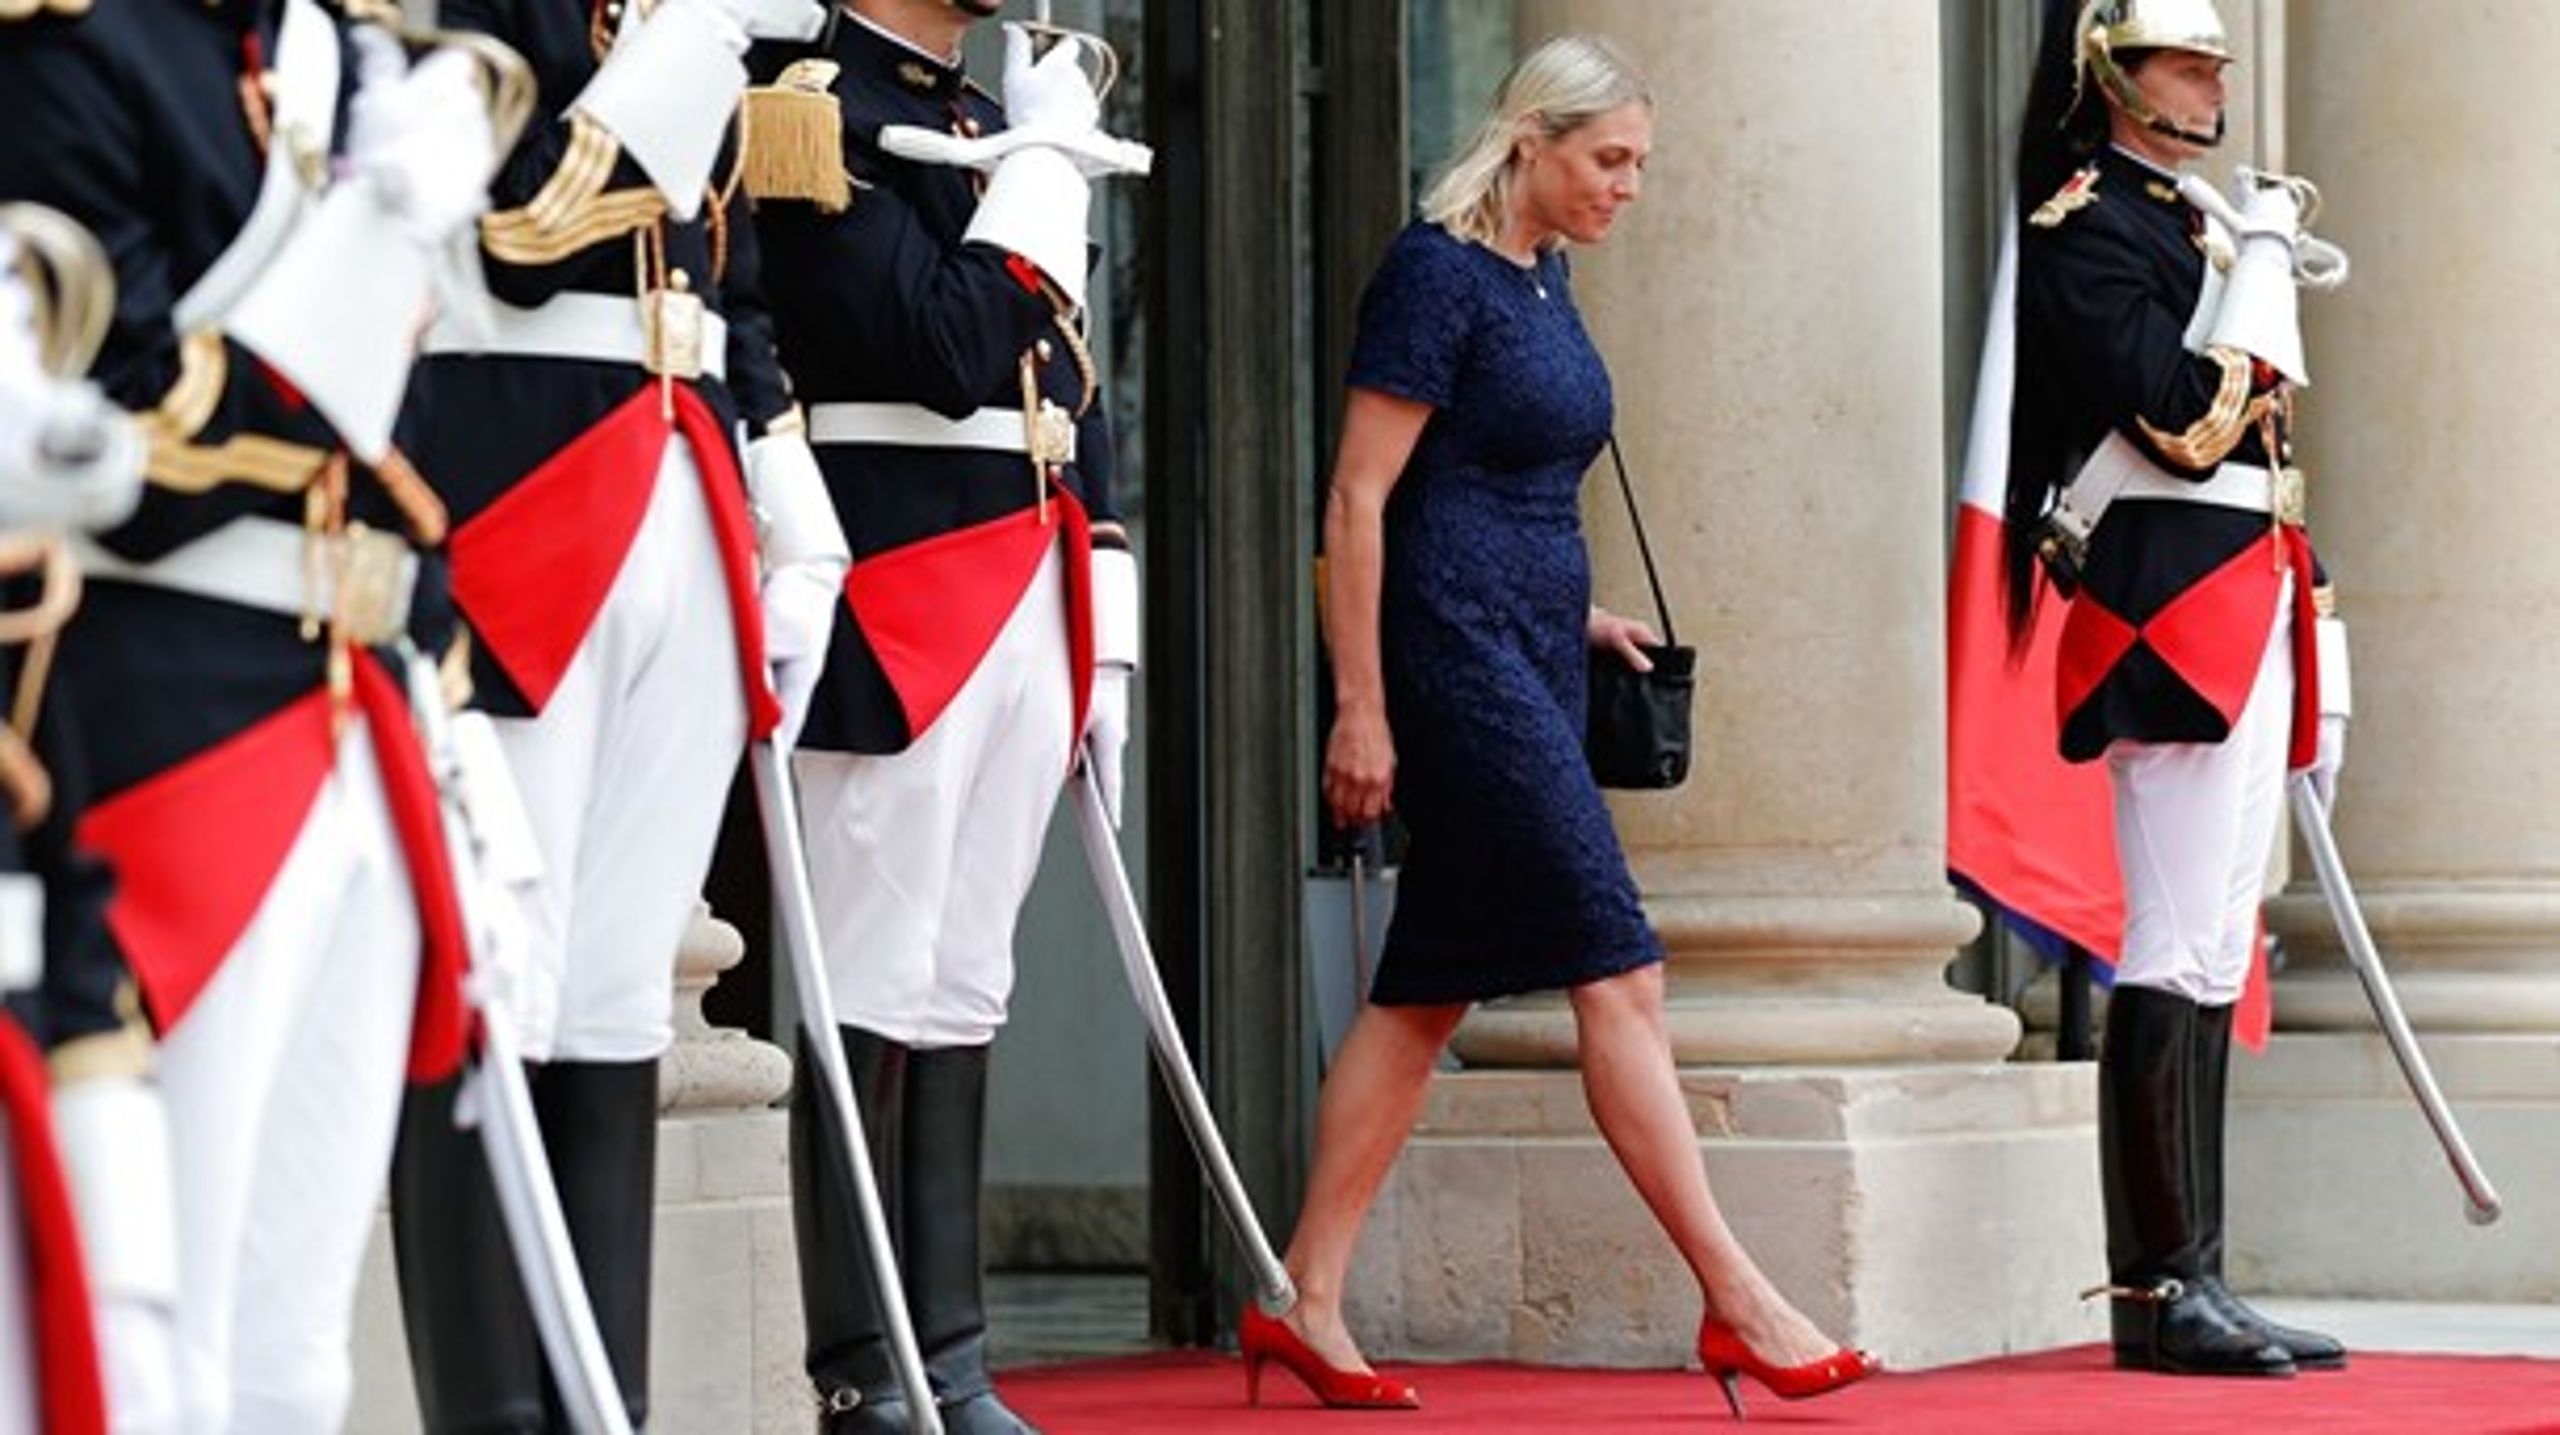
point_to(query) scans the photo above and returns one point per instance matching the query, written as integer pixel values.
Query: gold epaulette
(792, 132)
(14, 10)
(2077, 193)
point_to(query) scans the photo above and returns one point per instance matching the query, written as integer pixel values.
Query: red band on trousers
(71, 1397)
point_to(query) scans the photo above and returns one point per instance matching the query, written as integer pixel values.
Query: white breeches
(283, 1086)
(624, 775)
(17, 1352)
(922, 858)
(2195, 828)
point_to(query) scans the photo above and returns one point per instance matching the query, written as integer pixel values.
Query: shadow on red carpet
(2058, 1391)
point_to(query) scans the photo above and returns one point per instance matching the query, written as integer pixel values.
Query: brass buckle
(2289, 496)
(673, 321)
(1052, 434)
(372, 575)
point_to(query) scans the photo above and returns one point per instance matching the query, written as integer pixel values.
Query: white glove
(795, 20)
(1037, 200)
(1106, 734)
(2329, 759)
(799, 602)
(2260, 310)
(1049, 92)
(805, 558)
(419, 135)
(68, 458)
(667, 91)
(2337, 701)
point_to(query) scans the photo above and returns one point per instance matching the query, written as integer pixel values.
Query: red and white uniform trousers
(2196, 826)
(924, 856)
(623, 773)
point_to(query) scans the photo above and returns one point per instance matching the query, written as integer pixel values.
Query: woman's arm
(1378, 435)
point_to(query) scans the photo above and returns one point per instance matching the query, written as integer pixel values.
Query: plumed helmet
(2109, 26)
(2109, 30)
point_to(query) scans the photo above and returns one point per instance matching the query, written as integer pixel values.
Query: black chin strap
(2162, 124)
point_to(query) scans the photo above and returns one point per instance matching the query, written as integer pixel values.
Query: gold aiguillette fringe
(795, 138)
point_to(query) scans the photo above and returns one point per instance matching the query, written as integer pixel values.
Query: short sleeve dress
(1514, 880)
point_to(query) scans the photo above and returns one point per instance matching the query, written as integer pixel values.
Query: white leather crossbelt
(362, 578)
(604, 328)
(915, 426)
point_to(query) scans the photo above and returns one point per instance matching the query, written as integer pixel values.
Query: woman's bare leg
(1634, 1091)
(1364, 1113)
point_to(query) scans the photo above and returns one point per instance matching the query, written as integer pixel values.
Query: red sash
(71, 1396)
(930, 609)
(2213, 636)
(195, 848)
(533, 569)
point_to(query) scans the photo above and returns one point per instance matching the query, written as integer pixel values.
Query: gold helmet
(2110, 29)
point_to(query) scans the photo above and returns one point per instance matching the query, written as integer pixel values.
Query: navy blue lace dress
(1514, 881)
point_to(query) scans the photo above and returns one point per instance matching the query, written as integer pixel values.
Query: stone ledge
(2337, 1189)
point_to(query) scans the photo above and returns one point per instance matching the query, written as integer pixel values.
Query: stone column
(1771, 313)
(1772, 316)
(2430, 454)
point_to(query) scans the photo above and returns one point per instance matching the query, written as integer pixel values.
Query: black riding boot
(945, 1140)
(2162, 1317)
(2310, 1349)
(600, 1124)
(848, 1349)
(473, 1354)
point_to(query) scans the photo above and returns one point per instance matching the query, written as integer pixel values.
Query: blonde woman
(1458, 615)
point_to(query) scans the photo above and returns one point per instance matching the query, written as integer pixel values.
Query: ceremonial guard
(274, 183)
(933, 318)
(2158, 362)
(587, 439)
(87, 1237)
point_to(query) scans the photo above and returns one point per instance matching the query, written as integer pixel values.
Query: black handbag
(1637, 732)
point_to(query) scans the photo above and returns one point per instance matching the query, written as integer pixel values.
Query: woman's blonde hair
(1554, 90)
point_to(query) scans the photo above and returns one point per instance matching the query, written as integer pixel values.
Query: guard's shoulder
(2078, 192)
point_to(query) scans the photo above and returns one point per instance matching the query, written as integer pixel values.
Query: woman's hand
(1604, 629)
(1359, 766)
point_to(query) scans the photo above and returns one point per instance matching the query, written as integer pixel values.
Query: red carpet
(2061, 1391)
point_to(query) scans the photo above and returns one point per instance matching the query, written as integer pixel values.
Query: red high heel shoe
(1264, 1339)
(1722, 1352)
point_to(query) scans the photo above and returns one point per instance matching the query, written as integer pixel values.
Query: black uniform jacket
(2164, 640)
(207, 725)
(560, 222)
(884, 303)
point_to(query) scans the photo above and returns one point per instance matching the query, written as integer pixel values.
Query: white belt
(605, 328)
(2234, 485)
(2119, 470)
(915, 426)
(274, 567)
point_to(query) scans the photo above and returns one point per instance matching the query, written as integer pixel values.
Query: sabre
(2311, 818)
(496, 1100)
(797, 908)
(1274, 1290)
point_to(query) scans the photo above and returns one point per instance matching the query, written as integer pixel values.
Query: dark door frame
(1268, 120)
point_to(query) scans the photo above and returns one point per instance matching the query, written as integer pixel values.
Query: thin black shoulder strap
(1652, 575)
